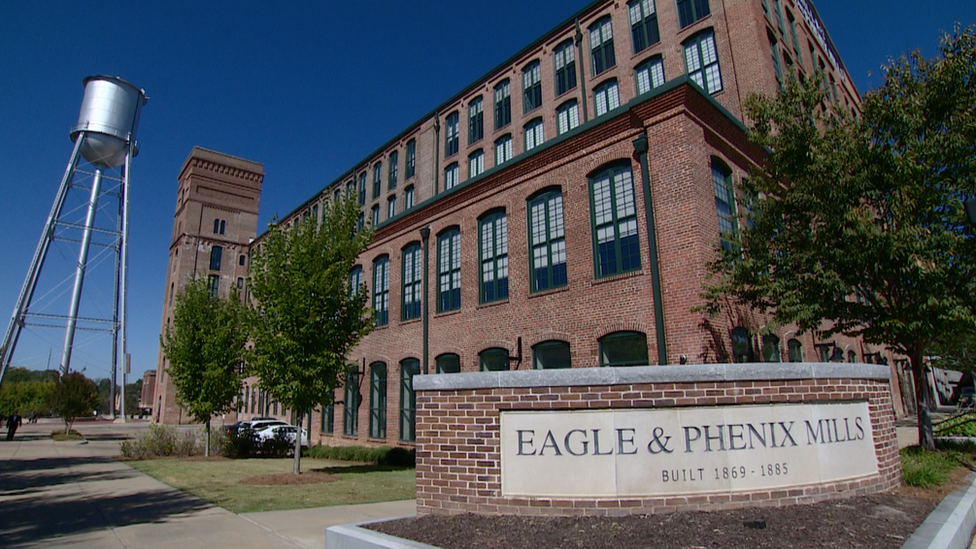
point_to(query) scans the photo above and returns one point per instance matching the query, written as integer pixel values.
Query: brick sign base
(605, 441)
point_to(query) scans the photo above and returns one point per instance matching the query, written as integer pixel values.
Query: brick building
(560, 211)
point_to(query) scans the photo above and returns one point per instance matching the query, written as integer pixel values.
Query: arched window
(409, 367)
(742, 345)
(771, 348)
(350, 408)
(449, 270)
(493, 251)
(601, 46)
(547, 240)
(412, 277)
(448, 363)
(493, 359)
(377, 400)
(551, 354)
(381, 290)
(701, 61)
(851, 356)
(624, 349)
(724, 203)
(795, 350)
(616, 248)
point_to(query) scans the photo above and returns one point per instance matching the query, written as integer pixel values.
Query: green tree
(205, 350)
(74, 396)
(307, 319)
(26, 397)
(857, 224)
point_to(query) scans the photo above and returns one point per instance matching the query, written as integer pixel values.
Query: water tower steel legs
(30, 283)
(125, 275)
(69, 333)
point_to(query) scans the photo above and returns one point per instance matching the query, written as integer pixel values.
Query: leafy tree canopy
(307, 319)
(74, 396)
(858, 221)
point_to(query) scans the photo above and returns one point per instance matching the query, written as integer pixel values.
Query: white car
(284, 431)
(262, 424)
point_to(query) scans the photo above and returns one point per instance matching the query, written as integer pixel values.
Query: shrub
(922, 468)
(160, 441)
(382, 455)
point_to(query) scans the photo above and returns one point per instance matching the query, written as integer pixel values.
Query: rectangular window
(564, 57)
(476, 120)
(548, 241)
(503, 149)
(412, 273)
(643, 24)
(377, 400)
(724, 205)
(567, 116)
(779, 17)
(448, 363)
(774, 51)
(391, 207)
(494, 257)
(796, 40)
(377, 176)
(392, 176)
(476, 163)
(606, 97)
(375, 215)
(701, 60)
(601, 46)
(503, 104)
(411, 159)
(531, 87)
(362, 189)
(381, 290)
(451, 176)
(327, 424)
(350, 409)
(650, 75)
(355, 280)
(241, 260)
(449, 271)
(493, 360)
(215, 255)
(213, 285)
(451, 135)
(615, 242)
(408, 400)
(690, 11)
(408, 198)
(533, 134)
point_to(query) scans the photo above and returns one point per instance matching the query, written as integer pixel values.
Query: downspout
(582, 69)
(425, 235)
(640, 147)
(437, 159)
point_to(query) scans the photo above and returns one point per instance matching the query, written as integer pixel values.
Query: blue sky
(306, 88)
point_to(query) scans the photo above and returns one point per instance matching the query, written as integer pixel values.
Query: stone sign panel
(683, 451)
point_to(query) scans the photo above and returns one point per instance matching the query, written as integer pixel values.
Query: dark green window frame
(449, 270)
(602, 56)
(410, 307)
(728, 225)
(690, 11)
(613, 216)
(377, 178)
(770, 343)
(381, 290)
(350, 407)
(362, 189)
(643, 24)
(625, 348)
(531, 87)
(796, 39)
(701, 61)
(394, 166)
(355, 279)
(795, 350)
(551, 354)
(213, 285)
(216, 254)
(448, 363)
(327, 422)
(774, 52)
(503, 104)
(377, 400)
(742, 345)
(564, 61)
(451, 137)
(493, 251)
(493, 359)
(411, 162)
(476, 119)
(547, 241)
(409, 368)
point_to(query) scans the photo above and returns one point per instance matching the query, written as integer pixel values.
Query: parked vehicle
(286, 432)
(261, 424)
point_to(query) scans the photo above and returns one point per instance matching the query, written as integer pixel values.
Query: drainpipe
(640, 147)
(582, 69)
(437, 156)
(425, 235)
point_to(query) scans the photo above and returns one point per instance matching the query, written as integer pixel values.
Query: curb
(951, 525)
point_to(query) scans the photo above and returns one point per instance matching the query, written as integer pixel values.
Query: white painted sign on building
(682, 451)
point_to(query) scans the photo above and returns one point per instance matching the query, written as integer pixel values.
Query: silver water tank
(109, 116)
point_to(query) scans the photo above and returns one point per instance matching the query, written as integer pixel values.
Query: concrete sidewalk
(71, 494)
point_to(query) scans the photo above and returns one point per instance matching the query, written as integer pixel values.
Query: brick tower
(216, 218)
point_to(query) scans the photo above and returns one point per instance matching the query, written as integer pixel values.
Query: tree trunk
(206, 450)
(926, 439)
(298, 447)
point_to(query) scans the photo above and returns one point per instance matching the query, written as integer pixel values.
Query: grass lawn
(220, 482)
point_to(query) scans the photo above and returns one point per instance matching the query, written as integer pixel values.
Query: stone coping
(685, 373)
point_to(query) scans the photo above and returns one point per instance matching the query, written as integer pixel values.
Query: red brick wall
(458, 455)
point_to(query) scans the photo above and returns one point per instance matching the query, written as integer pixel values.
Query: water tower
(105, 138)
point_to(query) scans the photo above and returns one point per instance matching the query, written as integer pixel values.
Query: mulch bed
(875, 521)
